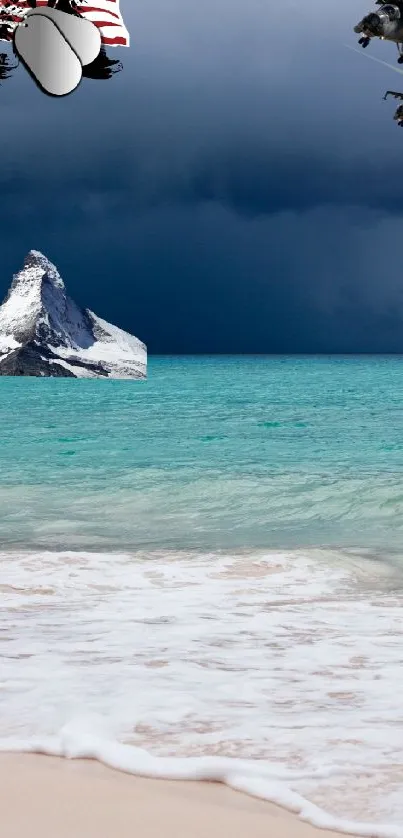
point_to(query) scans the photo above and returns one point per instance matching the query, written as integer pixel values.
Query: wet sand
(47, 797)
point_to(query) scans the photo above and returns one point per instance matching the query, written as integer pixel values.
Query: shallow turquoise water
(209, 453)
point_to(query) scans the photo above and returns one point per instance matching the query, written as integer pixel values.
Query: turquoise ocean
(202, 575)
(208, 453)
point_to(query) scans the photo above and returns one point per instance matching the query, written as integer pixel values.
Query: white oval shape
(48, 56)
(82, 35)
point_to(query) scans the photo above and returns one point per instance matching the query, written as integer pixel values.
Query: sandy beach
(46, 797)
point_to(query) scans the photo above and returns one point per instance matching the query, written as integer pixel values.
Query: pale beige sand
(45, 797)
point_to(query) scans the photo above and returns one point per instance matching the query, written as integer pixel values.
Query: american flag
(104, 13)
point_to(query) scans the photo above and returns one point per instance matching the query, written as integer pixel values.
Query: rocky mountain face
(44, 333)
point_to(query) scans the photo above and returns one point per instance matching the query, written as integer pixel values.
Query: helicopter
(385, 23)
(398, 115)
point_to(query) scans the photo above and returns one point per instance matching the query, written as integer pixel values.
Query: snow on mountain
(43, 332)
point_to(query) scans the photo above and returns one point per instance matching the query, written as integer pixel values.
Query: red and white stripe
(104, 13)
(107, 16)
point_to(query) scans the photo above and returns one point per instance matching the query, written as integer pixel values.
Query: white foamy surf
(278, 674)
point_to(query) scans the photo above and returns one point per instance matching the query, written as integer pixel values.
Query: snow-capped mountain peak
(38, 267)
(44, 332)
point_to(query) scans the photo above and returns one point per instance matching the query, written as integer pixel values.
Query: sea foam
(276, 673)
(241, 775)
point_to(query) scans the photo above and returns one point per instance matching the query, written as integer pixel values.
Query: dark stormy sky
(237, 188)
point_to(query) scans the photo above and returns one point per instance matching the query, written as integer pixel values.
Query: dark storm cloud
(203, 279)
(249, 180)
(215, 103)
(240, 182)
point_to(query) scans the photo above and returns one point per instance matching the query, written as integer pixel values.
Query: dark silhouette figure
(6, 32)
(103, 67)
(6, 66)
(68, 6)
